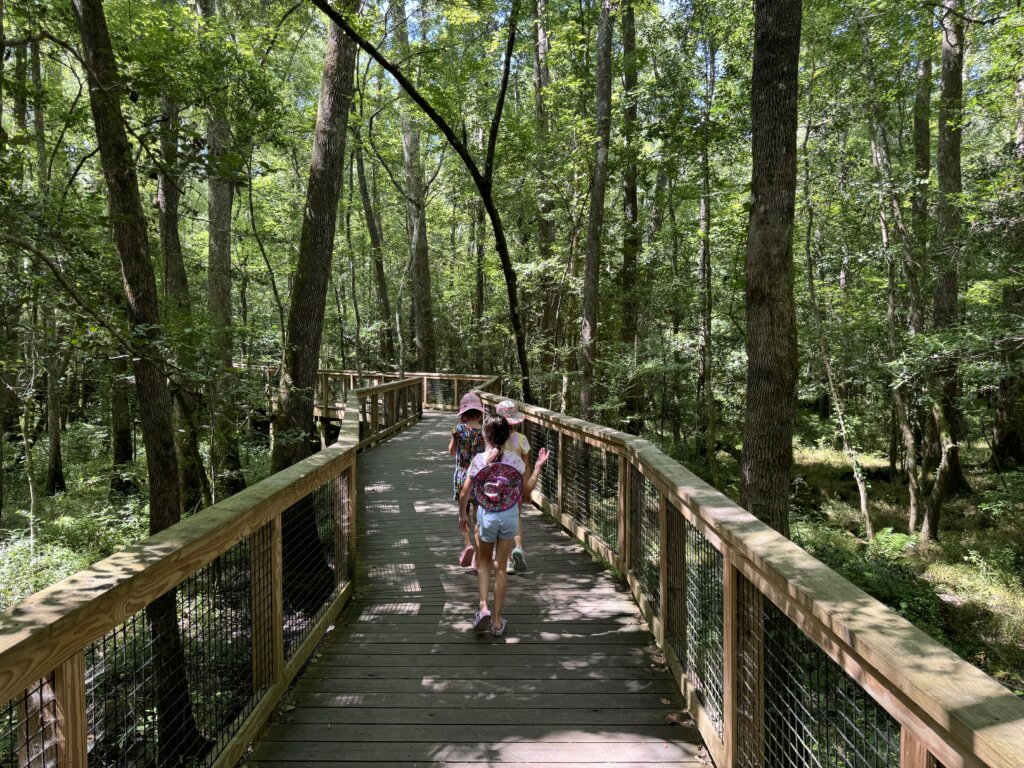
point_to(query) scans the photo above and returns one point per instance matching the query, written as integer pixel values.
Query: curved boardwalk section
(402, 680)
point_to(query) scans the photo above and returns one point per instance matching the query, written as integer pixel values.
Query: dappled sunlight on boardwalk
(403, 680)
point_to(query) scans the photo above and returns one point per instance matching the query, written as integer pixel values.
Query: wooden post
(353, 510)
(266, 596)
(425, 403)
(626, 486)
(730, 659)
(72, 730)
(662, 630)
(456, 391)
(374, 415)
(623, 563)
(913, 752)
(561, 473)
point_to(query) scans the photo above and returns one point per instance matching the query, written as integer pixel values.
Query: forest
(780, 239)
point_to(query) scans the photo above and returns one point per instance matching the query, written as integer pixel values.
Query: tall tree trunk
(179, 739)
(479, 250)
(225, 463)
(195, 486)
(377, 256)
(595, 223)
(771, 318)
(890, 206)
(1008, 425)
(631, 239)
(416, 214)
(922, 169)
(294, 433)
(545, 205)
(948, 243)
(705, 382)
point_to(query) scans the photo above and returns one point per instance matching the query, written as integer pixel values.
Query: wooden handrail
(948, 709)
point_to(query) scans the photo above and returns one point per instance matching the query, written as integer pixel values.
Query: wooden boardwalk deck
(403, 681)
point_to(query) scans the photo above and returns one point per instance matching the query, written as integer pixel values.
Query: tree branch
(492, 137)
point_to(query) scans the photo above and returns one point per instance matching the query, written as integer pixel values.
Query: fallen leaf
(666, 701)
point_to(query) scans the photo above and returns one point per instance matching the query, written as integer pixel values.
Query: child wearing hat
(520, 446)
(466, 442)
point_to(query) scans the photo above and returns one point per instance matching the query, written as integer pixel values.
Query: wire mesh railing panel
(28, 728)
(704, 635)
(645, 537)
(441, 392)
(120, 696)
(310, 579)
(602, 479)
(575, 489)
(675, 583)
(542, 437)
(799, 708)
(217, 607)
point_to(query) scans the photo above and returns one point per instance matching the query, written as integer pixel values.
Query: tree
(771, 316)
(179, 737)
(595, 221)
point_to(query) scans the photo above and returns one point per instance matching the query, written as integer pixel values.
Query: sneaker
(518, 562)
(510, 567)
(467, 556)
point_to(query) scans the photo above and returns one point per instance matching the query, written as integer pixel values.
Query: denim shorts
(495, 526)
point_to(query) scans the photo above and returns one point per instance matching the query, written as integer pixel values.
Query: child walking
(495, 479)
(466, 442)
(519, 445)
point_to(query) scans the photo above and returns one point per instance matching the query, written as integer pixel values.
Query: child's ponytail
(496, 433)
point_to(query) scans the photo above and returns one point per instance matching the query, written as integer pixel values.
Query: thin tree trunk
(225, 463)
(377, 256)
(416, 215)
(633, 397)
(545, 205)
(771, 318)
(948, 243)
(478, 299)
(120, 428)
(195, 486)
(595, 224)
(308, 580)
(179, 738)
(705, 381)
(922, 169)
(55, 482)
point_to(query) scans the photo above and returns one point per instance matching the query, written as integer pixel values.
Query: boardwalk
(403, 681)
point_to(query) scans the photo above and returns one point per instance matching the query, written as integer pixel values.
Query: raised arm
(531, 480)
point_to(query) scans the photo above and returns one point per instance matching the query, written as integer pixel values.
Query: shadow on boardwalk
(402, 680)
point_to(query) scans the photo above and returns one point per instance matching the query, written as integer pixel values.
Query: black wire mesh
(28, 728)
(675, 583)
(704, 635)
(574, 482)
(441, 392)
(542, 437)
(796, 707)
(171, 684)
(645, 538)
(314, 535)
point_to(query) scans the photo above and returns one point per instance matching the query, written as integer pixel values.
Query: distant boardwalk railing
(782, 661)
(176, 651)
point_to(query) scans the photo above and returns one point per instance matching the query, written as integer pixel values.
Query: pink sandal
(482, 621)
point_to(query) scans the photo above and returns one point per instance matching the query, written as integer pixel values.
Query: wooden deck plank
(402, 680)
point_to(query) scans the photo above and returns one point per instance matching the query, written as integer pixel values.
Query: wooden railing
(440, 391)
(782, 661)
(176, 650)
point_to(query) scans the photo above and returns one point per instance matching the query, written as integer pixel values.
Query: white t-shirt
(507, 457)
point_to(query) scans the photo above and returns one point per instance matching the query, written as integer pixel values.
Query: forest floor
(966, 590)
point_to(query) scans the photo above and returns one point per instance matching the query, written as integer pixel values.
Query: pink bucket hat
(470, 402)
(508, 409)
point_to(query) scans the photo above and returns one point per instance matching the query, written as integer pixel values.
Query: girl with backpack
(467, 441)
(495, 479)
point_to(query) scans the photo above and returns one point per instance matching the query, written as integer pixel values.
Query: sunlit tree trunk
(705, 382)
(771, 318)
(225, 463)
(179, 739)
(595, 221)
(294, 434)
(377, 256)
(948, 244)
